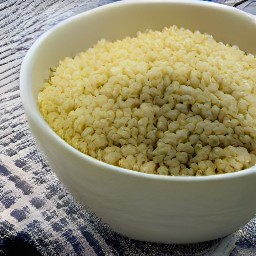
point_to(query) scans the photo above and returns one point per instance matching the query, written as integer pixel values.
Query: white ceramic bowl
(138, 205)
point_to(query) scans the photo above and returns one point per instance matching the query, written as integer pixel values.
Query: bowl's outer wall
(159, 210)
(155, 210)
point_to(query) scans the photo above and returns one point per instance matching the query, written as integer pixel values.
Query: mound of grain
(173, 102)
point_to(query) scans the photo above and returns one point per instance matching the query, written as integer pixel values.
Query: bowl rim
(32, 110)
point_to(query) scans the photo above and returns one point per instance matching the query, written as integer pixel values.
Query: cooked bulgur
(170, 102)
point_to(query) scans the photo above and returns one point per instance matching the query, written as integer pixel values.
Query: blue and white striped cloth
(37, 215)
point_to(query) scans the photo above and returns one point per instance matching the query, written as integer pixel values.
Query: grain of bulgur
(174, 102)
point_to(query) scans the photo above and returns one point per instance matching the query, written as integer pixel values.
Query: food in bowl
(188, 209)
(170, 102)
